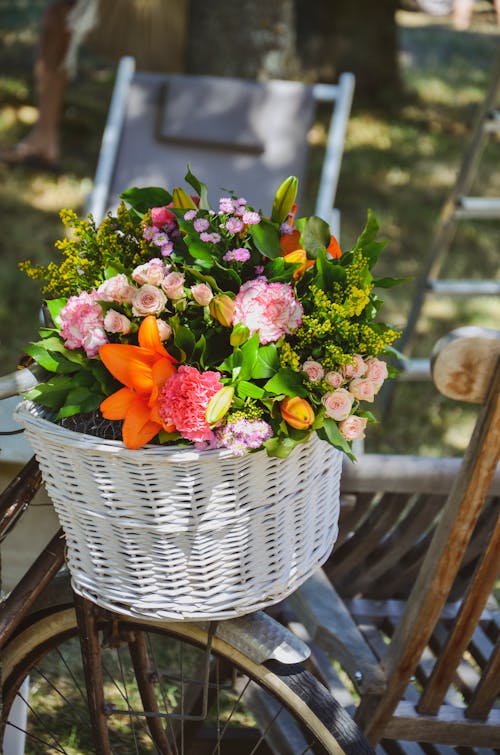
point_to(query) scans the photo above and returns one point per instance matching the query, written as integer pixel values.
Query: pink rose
(355, 369)
(173, 285)
(338, 404)
(116, 289)
(82, 324)
(151, 272)
(353, 428)
(335, 379)
(202, 294)
(269, 308)
(148, 300)
(160, 216)
(362, 389)
(313, 370)
(164, 329)
(376, 372)
(114, 322)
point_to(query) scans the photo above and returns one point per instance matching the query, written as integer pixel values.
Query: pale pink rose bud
(164, 329)
(338, 404)
(202, 294)
(173, 285)
(353, 428)
(376, 372)
(355, 369)
(151, 272)
(116, 289)
(115, 322)
(313, 370)
(362, 389)
(148, 300)
(160, 216)
(335, 379)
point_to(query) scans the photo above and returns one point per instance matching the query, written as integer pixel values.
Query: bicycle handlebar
(20, 381)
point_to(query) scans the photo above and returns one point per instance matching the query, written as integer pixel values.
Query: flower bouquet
(202, 346)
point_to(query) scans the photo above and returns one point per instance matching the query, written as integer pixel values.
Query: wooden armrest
(325, 616)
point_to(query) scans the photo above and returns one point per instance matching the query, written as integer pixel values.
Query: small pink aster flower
(184, 399)
(201, 224)
(251, 218)
(237, 255)
(210, 238)
(190, 214)
(234, 225)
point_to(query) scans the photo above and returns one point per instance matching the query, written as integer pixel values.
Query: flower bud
(239, 334)
(219, 405)
(284, 199)
(299, 256)
(183, 200)
(297, 412)
(221, 307)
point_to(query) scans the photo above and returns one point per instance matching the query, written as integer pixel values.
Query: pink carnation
(270, 308)
(184, 399)
(82, 323)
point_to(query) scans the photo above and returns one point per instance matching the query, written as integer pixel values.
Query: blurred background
(420, 78)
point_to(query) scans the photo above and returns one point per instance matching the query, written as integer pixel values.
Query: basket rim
(30, 413)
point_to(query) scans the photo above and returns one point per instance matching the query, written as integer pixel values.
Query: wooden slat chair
(406, 603)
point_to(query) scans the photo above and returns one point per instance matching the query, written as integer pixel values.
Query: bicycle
(114, 684)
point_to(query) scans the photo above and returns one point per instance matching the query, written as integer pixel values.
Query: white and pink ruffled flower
(82, 323)
(355, 369)
(362, 389)
(313, 370)
(270, 308)
(202, 294)
(151, 272)
(148, 300)
(173, 285)
(353, 428)
(115, 322)
(338, 404)
(117, 289)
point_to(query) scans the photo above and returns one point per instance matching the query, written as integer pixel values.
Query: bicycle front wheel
(169, 688)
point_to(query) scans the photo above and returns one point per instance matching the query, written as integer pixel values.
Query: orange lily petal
(289, 242)
(138, 429)
(149, 337)
(333, 248)
(131, 365)
(162, 370)
(116, 405)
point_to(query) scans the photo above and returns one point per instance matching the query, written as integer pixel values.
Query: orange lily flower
(143, 370)
(290, 246)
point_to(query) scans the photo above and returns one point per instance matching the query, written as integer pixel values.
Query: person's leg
(42, 142)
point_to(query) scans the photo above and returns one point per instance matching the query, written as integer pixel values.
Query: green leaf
(315, 236)
(53, 393)
(331, 433)
(184, 340)
(200, 250)
(249, 353)
(199, 187)
(54, 306)
(287, 382)
(142, 199)
(199, 350)
(266, 238)
(280, 446)
(44, 358)
(279, 270)
(245, 389)
(267, 362)
(389, 282)
(369, 232)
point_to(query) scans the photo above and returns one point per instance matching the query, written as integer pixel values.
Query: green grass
(401, 161)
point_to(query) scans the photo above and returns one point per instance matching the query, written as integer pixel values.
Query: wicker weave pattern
(178, 534)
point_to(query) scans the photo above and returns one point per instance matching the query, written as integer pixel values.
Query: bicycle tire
(314, 717)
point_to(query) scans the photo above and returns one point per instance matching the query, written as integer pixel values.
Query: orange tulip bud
(333, 248)
(222, 309)
(297, 412)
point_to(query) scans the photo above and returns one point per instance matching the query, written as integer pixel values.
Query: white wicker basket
(179, 534)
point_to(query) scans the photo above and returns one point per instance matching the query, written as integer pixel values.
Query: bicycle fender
(261, 638)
